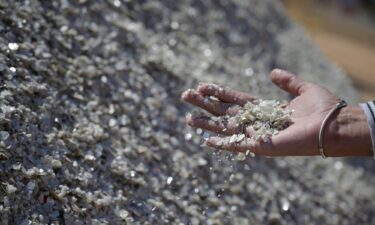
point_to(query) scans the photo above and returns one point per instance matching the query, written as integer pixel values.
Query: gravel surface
(92, 128)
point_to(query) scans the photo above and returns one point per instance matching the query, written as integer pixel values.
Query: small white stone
(104, 79)
(338, 165)
(202, 162)
(188, 136)
(285, 204)
(12, 69)
(90, 158)
(175, 25)
(17, 166)
(64, 28)
(249, 72)
(13, 46)
(10, 189)
(56, 164)
(112, 122)
(123, 214)
(169, 180)
(207, 52)
(4, 135)
(117, 3)
(241, 156)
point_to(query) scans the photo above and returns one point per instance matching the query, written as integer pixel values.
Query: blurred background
(345, 32)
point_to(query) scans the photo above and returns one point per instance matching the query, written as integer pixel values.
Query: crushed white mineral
(266, 117)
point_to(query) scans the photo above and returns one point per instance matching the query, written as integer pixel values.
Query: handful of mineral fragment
(266, 117)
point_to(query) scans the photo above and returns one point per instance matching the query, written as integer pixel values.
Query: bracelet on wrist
(338, 106)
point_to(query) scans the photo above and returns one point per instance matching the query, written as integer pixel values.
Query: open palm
(311, 104)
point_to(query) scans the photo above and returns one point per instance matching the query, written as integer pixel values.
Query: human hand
(310, 106)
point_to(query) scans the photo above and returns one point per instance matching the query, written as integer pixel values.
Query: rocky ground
(92, 128)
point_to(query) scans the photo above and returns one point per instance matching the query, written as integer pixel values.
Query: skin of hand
(346, 132)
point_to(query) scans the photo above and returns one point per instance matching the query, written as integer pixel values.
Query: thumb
(288, 82)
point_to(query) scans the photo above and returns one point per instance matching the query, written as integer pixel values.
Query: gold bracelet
(338, 106)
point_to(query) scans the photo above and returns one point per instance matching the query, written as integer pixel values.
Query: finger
(224, 143)
(256, 147)
(225, 94)
(288, 82)
(216, 108)
(226, 127)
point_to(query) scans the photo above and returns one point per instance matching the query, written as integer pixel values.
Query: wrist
(348, 133)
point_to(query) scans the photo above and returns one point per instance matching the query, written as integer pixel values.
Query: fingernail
(280, 72)
(207, 86)
(277, 71)
(183, 95)
(186, 93)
